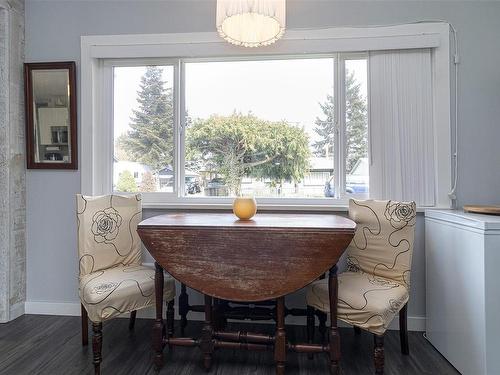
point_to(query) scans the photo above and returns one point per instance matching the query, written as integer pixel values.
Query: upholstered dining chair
(375, 286)
(112, 279)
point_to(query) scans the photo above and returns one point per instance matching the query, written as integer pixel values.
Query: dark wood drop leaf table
(246, 261)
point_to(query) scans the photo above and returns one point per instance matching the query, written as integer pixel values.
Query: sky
(273, 90)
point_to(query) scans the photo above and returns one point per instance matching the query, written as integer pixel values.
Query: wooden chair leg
(378, 354)
(219, 315)
(322, 317)
(311, 320)
(357, 330)
(97, 346)
(183, 308)
(170, 318)
(131, 322)
(223, 307)
(85, 327)
(403, 330)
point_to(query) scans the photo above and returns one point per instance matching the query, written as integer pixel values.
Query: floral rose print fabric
(112, 280)
(108, 293)
(107, 231)
(361, 302)
(383, 243)
(106, 224)
(376, 283)
(400, 214)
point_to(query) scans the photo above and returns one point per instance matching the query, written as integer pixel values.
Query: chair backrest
(107, 231)
(383, 243)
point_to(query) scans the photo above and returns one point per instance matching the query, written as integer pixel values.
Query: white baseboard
(52, 308)
(415, 323)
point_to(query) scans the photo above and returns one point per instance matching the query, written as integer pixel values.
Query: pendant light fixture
(251, 23)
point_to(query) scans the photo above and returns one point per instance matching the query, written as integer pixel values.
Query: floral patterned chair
(376, 284)
(112, 279)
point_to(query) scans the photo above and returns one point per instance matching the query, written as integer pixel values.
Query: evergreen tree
(126, 183)
(150, 138)
(356, 124)
(325, 128)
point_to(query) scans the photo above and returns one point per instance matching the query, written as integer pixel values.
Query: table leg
(334, 333)
(280, 337)
(158, 329)
(207, 343)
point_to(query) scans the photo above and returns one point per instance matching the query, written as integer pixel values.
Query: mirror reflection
(51, 104)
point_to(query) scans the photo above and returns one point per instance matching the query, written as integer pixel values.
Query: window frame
(179, 98)
(96, 50)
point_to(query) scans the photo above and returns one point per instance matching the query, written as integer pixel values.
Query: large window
(191, 121)
(271, 128)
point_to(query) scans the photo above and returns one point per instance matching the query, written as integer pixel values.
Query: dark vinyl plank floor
(37, 344)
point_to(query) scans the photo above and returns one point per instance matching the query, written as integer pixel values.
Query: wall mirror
(50, 94)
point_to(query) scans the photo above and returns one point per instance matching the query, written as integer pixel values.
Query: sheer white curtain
(402, 163)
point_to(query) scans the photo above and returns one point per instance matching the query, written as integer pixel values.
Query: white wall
(53, 30)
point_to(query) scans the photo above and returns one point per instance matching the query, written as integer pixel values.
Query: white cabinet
(463, 289)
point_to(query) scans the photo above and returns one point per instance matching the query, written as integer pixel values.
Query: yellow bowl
(244, 207)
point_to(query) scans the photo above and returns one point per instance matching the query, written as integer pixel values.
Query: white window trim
(96, 140)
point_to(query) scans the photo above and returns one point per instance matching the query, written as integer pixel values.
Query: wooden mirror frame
(30, 134)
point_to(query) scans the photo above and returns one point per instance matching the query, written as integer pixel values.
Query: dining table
(265, 258)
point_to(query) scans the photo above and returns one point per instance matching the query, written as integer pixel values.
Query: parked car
(216, 187)
(193, 186)
(216, 182)
(357, 182)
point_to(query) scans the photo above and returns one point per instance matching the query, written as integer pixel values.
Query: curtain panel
(402, 152)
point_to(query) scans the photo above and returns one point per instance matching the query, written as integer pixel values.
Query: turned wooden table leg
(207, 343)
(280, 337)
(334, 333)
(158, 329)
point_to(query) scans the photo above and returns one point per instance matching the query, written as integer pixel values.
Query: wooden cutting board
(481, 209)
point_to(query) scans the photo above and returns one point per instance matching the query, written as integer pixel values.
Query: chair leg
(357, 330)
(85, 327)
(223, 308)
(219, 312)
(131, 322)
(97, 346)
(403, 330)
(378, 354)
(170, 318)
(311, 320)
(322, 317)
(183, 308)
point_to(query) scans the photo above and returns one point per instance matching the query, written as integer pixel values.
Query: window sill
(261, 207)
(228, 206)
